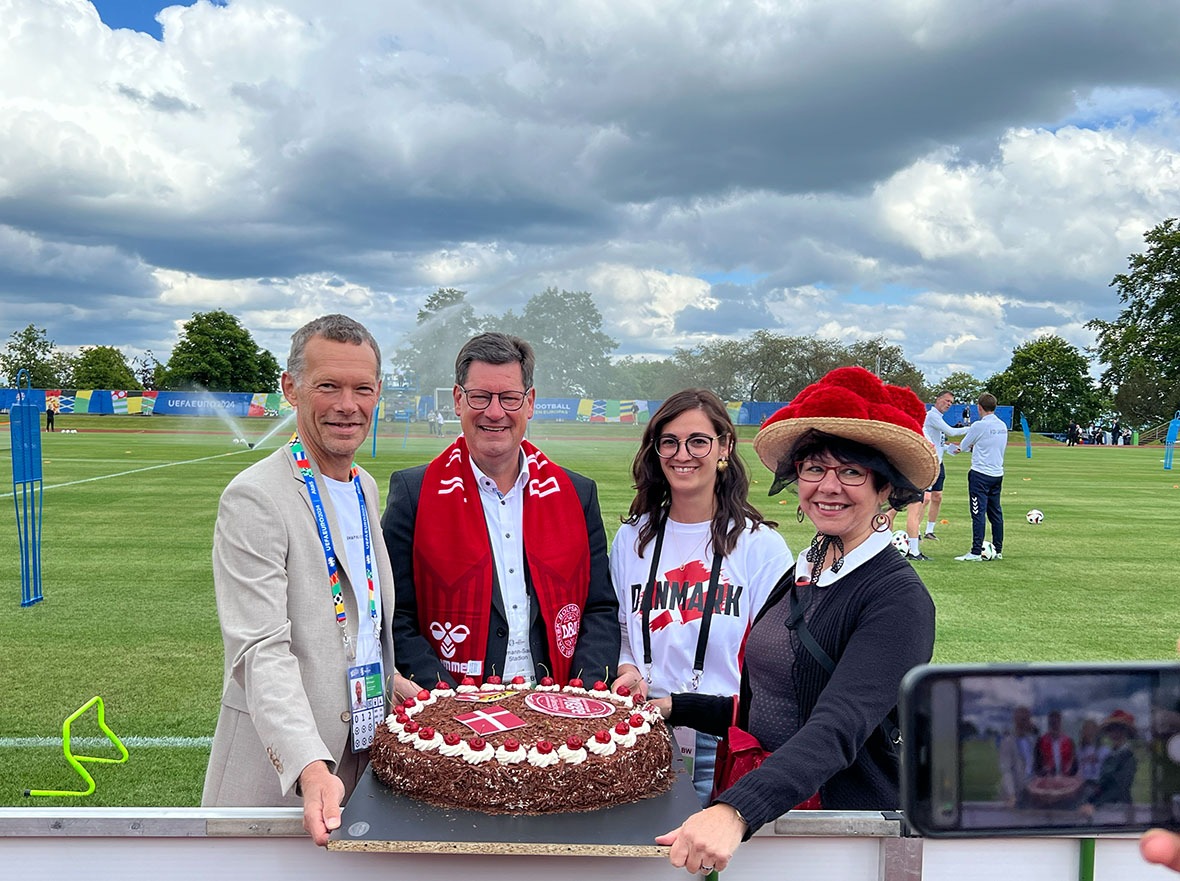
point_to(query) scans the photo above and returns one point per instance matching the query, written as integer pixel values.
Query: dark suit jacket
(597, 653)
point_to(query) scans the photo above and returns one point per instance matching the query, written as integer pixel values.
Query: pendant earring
(799, 513)
(722, 464)
(880, 522)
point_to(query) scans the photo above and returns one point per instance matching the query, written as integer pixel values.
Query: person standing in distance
(937, 431)
(987, 438)
(304, 593)
(499, 554)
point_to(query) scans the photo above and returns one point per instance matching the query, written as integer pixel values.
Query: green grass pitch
(129, 505)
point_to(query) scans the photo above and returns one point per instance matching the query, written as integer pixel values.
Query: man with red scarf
(499, 554)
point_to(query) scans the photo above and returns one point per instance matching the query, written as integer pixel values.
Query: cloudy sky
(959, 176)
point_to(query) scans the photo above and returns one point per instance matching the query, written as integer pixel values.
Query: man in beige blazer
(284, 732)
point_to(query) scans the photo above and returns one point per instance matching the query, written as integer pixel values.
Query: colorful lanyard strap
(321, 519)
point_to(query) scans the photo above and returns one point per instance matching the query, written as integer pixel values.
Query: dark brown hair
(652, 494)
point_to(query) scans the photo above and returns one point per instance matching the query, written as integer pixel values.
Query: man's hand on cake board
(323, 792)
(706, 840)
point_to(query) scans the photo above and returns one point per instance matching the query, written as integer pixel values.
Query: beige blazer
(284, 701)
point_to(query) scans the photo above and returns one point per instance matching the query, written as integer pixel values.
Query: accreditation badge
(686, 746)
(366, 695)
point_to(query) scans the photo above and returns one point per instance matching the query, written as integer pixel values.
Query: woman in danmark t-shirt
(683, 626)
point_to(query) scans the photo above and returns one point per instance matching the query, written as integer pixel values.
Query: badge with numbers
(366, 696)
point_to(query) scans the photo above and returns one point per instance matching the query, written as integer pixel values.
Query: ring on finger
(705, 870)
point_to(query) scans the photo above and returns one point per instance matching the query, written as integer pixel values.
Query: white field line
(133, 471)
(92, 742)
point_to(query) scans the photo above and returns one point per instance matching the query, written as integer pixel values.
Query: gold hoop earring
(722, 464)
(799, 513)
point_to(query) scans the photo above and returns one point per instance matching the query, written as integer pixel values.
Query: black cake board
(378, 819)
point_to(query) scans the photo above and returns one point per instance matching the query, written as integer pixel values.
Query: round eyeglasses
(698, 445)
(481, 399)
(847, 474)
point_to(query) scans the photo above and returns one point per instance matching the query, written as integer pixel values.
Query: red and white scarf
(454, 570)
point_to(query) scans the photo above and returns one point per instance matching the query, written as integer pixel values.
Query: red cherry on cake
(512, 744)
(636, 721)
(494, 680)
(518, 680)
(401, 718)
(442, 686)
(575, 682)
(546, 680)
(412, 727)
(426, 733)
(602, 736)
(622, 727)
(477, 743)
(600, 685)
(544, 747)
(467, 680)
(409, 702)
(623, 691)
(574, 742)
(451, 738)
(424, 695)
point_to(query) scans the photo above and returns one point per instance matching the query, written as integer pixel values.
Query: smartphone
(1026, 749)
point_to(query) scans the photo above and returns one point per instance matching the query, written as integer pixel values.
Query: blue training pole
(1027, 437)
(25, 430)
(1170, 443)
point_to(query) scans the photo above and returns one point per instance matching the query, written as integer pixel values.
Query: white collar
(487, 485)
(864, 551)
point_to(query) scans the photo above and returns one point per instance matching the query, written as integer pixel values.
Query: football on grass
(988, 551)
(901, 541)
(1034, 516)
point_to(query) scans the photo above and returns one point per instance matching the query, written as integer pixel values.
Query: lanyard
(321, 519)
(698, 664)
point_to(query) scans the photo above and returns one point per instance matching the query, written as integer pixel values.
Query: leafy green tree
(965, 387)
(445, 322)
(216, 353)
(149, 372)
(64, 365)
(889, 362)
(565, 330)
(103, 367)
(30, 349)
(1048, 382)
(648, 379)
(1142, 346)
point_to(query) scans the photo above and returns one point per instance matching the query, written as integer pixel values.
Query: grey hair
(496, 348)
(337, 328)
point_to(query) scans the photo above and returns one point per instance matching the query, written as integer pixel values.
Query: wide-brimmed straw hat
(854, 404)
(1120, 718)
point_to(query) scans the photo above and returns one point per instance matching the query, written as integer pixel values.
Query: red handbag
(739, 753)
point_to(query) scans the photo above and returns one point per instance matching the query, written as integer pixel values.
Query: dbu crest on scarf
(448, 637)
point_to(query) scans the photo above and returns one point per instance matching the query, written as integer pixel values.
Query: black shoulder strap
(796, 622)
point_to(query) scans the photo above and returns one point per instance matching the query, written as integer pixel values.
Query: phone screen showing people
(1066, 750)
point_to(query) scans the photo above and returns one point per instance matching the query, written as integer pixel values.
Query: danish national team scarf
(454, 570)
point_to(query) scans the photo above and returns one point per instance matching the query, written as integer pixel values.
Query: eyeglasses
(481, 399)
(849, 475)
(698, 445)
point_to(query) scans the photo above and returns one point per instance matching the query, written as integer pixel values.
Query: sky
(958, 177)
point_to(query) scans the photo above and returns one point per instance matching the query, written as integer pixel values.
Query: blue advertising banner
(203, 403)
(556, 409)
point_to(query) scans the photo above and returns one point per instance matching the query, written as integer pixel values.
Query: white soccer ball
(901, 541)
(988, 551)
(1034, 516)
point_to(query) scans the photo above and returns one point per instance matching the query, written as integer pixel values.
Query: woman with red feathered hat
(825, 656)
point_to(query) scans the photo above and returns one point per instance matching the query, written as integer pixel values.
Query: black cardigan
(876, 622)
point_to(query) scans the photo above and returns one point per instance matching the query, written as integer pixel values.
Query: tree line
(1047, 380)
